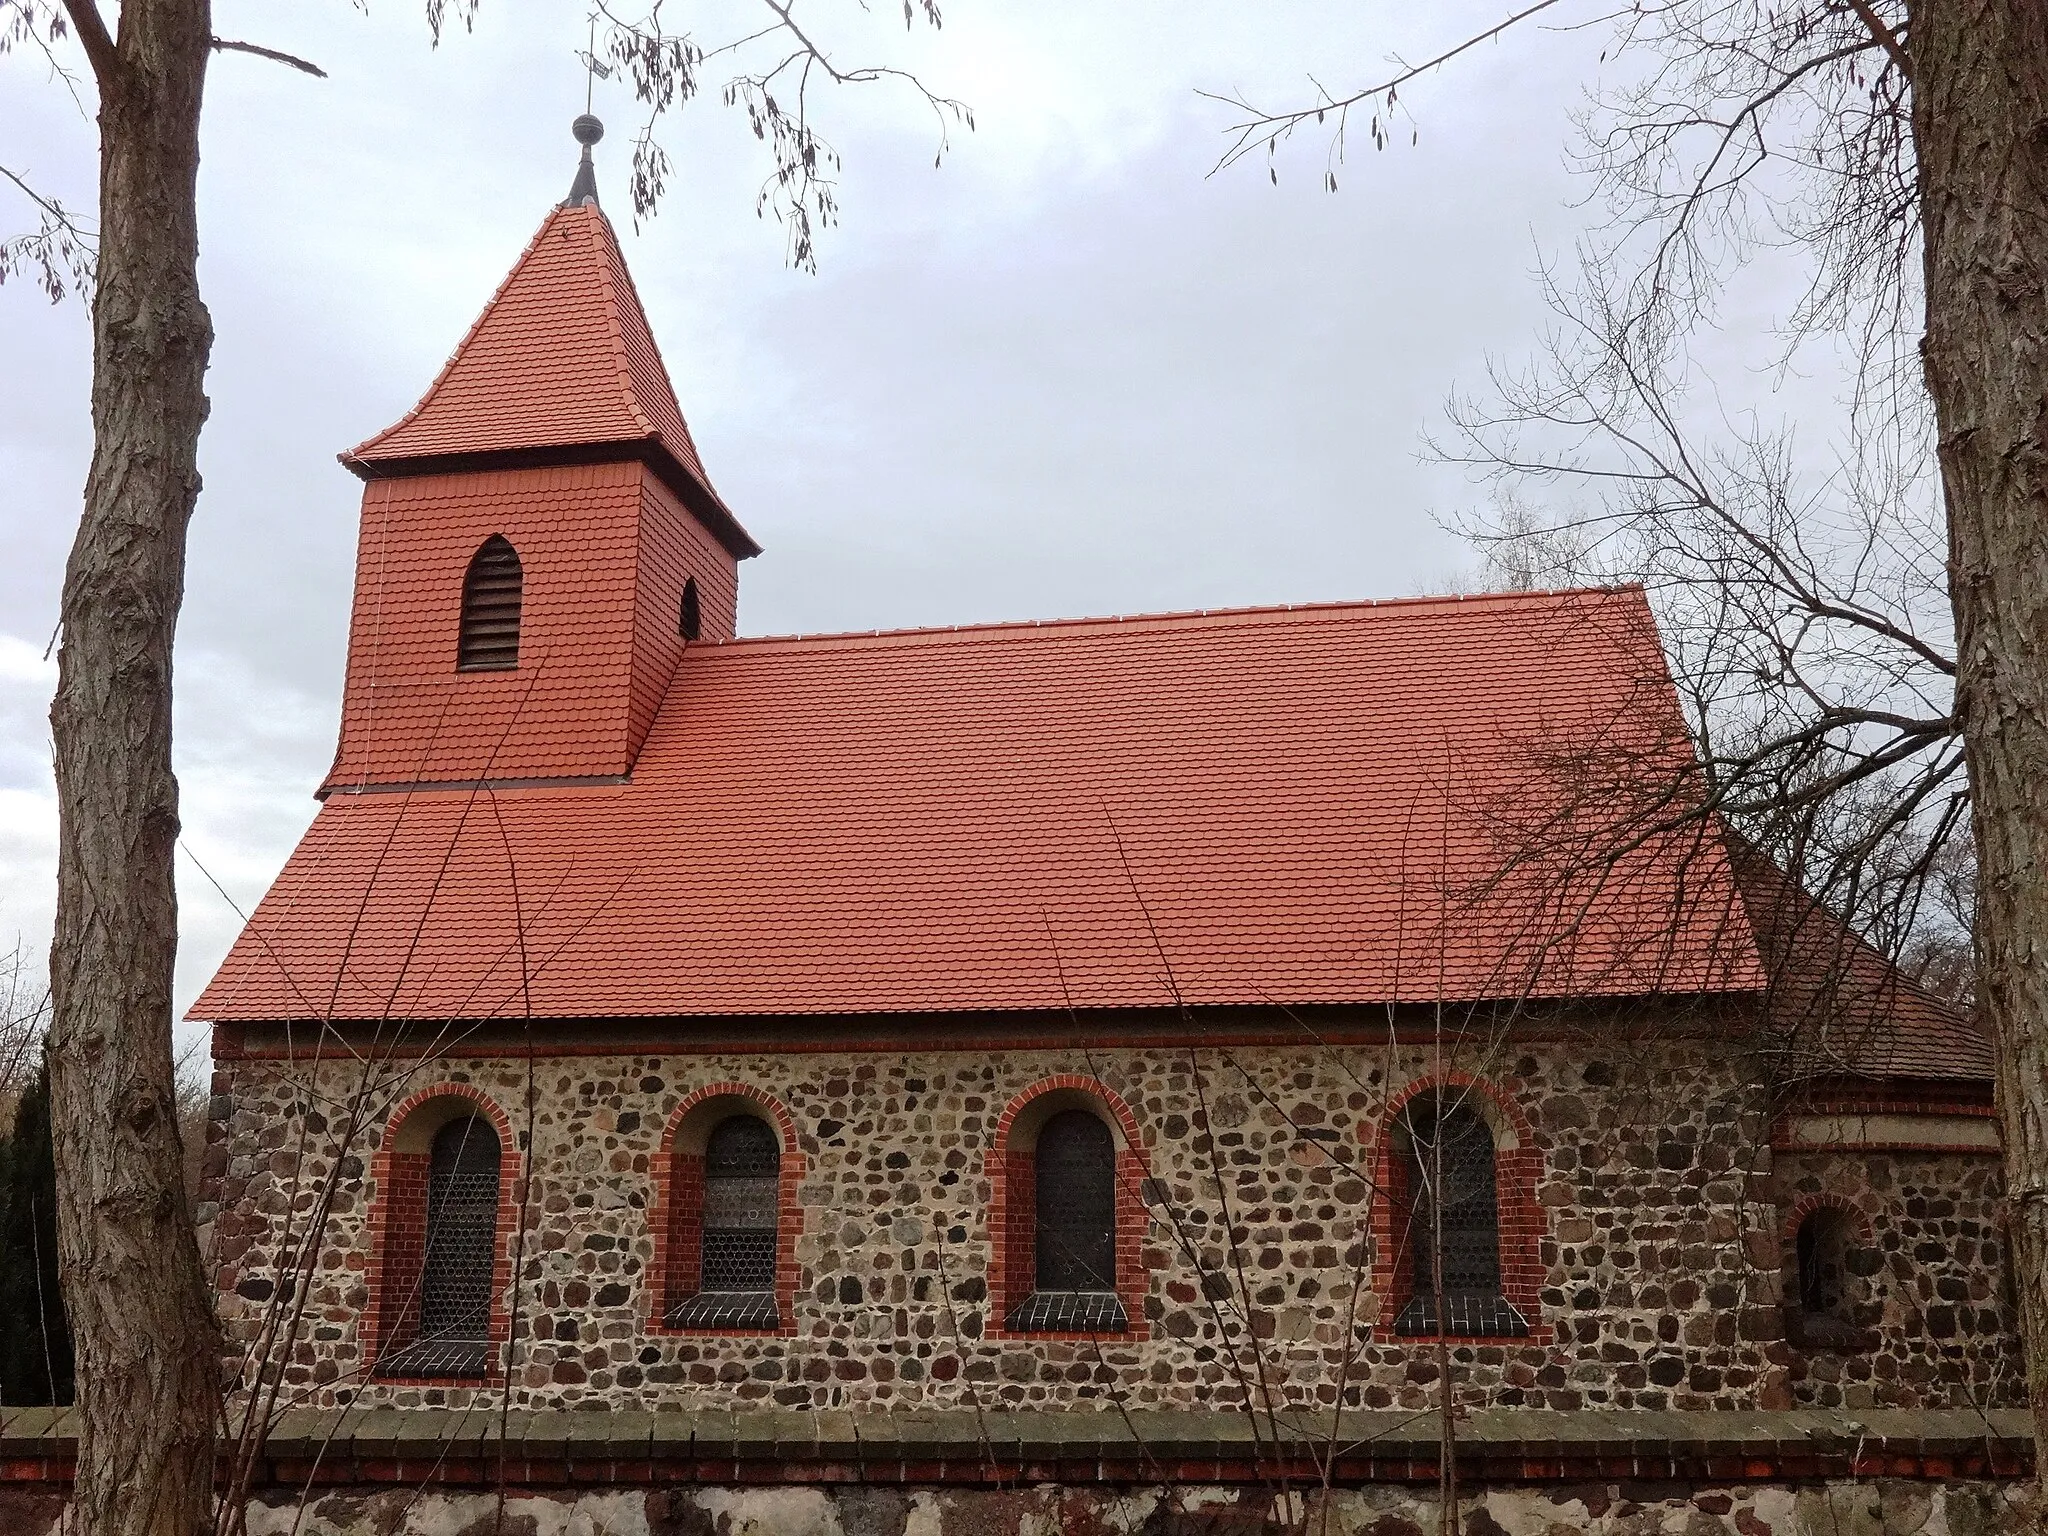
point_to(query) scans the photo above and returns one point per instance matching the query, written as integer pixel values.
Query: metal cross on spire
(587, 128)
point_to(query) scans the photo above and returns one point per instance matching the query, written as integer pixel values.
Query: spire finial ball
(588, 130)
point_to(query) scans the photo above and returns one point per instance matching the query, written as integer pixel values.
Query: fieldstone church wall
(1655, 1263)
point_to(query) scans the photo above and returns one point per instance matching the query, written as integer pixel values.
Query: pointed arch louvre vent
(490, 608)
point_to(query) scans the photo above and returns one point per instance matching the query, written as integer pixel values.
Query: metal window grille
(490, 608)
(726, 1309)
(742, 1207)
(1076, 1225)
(462, 1232)
(1448, 1152)
(1069, 1312)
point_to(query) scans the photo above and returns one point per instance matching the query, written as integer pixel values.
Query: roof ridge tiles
(615, 323)
(1163, 619)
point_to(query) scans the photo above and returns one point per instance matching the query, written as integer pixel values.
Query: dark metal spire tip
(588, 130)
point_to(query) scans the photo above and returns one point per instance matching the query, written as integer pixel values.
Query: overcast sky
(1066, 372)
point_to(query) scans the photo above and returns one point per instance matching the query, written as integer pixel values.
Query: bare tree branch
(100, 49)
(1265, 130)
(664, 71)
(1884, 34)
(230, 45)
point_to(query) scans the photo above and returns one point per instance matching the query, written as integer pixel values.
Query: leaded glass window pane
(1076, 1198)
(1448, 1154)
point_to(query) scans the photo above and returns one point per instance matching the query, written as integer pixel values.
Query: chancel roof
(1348, 804)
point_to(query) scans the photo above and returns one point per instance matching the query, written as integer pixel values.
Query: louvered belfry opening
(742, 1226)
(1075, 1229)
(457, 1277)
(490, 608)
(1448, 1165)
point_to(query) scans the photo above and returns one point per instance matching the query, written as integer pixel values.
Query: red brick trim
(1776, 1448)
(1918, 1109)
(397, 1229)
(677, 1217)
(1522, 1222)
(1012, 1215)
(1849, 1104)
(1888, 1149)
(1796, 1214)
(1903, 1096)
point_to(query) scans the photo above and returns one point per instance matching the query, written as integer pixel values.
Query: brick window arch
(1829, 1253)
(492, 592)
(1068, 1215)
(1455, 1156)
(726, 1214)
(441, 1229)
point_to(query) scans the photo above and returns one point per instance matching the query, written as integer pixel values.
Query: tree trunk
(1980, 122)
(147, 1354)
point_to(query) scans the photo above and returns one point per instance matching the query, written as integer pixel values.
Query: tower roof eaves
(561, 360)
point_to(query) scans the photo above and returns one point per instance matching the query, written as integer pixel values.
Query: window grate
(491, 595)
(1076, 1199)
(726, 1309)
(462, 1230)
(1449, 1154)
(742, 1210)
(1069, 1312)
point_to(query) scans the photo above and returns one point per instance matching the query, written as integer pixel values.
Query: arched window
(1825, 1253)
(490, 608)
(450, 1334)
(1074, 1230)
(689, 617)
(739, 1237)
(1823, 1250)
(1452, 1223)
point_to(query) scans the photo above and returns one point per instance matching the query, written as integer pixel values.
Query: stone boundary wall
(1523, 1473)
(1834, 1508)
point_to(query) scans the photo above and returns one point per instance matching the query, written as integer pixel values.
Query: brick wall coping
(568, 1448)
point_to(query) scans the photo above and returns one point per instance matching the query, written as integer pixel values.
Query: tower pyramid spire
(561, 367)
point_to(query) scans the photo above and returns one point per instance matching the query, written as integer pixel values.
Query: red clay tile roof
(1842, 1009)
(1292, 806)
(561, 357)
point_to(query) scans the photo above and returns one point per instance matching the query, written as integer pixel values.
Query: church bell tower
(539, 538)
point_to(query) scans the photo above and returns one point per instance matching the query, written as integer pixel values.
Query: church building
(1233, 1012)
